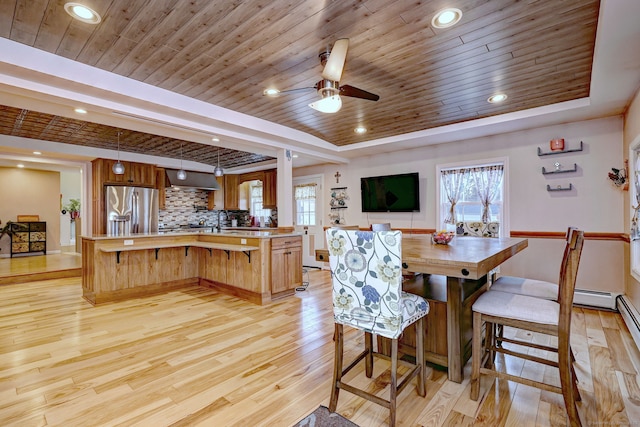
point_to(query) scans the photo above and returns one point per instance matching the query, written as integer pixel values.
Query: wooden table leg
(454, 336)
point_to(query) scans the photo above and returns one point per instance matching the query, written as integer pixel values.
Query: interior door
(307, 206)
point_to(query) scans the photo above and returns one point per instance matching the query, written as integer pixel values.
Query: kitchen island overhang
(240, 263)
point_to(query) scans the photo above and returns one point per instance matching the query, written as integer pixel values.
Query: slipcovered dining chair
(366, 277)
(383, 226)
(535, 315)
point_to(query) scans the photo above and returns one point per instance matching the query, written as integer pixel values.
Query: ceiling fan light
(329, 104)
(118, 168)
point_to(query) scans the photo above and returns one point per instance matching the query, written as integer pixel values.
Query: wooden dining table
(465, 264)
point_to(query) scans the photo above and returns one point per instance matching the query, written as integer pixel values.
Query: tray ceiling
(227, 52)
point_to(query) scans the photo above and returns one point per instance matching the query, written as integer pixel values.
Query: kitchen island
(257, 266)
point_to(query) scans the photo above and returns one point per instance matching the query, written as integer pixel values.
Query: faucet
(218, 227)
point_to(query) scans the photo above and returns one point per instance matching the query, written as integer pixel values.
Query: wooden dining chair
(535, 315)
(366, 276)
(527, 286)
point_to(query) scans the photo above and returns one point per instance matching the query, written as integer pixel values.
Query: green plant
(73, 207)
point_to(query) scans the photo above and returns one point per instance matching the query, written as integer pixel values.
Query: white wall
(70, 188)
(595, 205)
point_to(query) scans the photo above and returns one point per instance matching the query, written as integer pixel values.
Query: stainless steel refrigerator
(131, 210)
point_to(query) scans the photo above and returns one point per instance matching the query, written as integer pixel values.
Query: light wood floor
(196, 357)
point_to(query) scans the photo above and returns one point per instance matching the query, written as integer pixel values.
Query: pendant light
(181, 175)
(118, 168)
(218, 170)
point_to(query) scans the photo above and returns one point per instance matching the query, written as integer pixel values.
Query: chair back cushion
(366, 277)
(478, 229)
(385, 226)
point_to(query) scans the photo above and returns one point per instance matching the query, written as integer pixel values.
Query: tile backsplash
(189, 206)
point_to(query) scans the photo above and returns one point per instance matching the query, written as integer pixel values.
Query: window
(634, 233)
(256, 202)
(305, 197)
(472, 192)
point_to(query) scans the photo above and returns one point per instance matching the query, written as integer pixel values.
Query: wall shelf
(573, 150)
(560, 188)
(551, 172)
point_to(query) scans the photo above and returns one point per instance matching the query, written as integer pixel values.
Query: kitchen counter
(260, 233)
(258, 266)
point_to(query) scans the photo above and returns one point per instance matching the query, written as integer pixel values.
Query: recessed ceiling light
(37, 153)
(360, 130)
(498, 97)
(446, 18)
(295, 156)
(20, 165)
(215, 139)
(80, 110)
(271, 92)
(82, 13)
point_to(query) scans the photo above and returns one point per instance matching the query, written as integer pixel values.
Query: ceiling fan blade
(335, 63)
(287, 92)
(354, 92)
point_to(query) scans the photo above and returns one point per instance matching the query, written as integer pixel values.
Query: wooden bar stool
(535, 315)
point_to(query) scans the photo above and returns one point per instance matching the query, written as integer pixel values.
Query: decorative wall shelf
(551, 172)
(338, 204)
(560, 188)
(573, 150)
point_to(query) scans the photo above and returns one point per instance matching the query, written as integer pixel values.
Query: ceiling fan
(329, 87)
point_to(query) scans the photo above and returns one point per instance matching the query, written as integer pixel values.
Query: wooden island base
(238, 263)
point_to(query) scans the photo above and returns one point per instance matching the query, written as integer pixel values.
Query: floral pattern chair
(366, 276)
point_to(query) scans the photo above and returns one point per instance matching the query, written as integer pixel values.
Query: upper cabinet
(215, 198)
(269, 189)
(231, 199)
(135, 174)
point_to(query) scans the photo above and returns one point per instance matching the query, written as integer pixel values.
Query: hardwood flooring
(195, 357)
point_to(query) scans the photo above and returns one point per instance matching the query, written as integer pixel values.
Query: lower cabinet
(286, 264)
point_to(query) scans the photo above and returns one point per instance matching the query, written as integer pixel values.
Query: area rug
(321, 417)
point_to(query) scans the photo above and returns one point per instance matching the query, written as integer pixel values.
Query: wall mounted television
(391, 193)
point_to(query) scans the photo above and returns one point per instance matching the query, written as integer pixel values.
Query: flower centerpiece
(442, 237)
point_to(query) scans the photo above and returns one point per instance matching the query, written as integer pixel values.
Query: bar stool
(536, 315)
(366, 276)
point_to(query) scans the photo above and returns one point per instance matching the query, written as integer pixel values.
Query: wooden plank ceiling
(226, 52)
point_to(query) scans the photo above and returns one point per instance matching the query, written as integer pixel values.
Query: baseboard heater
(630, 316)
(597, 299)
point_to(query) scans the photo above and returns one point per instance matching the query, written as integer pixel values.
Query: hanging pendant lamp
(218, 170)
(118, 168)
(181, 175)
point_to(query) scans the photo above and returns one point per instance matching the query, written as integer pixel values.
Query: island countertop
(258, 266)
(260, 234)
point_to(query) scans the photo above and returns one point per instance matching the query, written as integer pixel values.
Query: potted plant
(73, 207)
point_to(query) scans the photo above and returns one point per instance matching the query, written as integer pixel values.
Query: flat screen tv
(391, 193)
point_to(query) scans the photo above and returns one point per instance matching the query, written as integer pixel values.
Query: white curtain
(305, 191)
(455, 181)
(488, 180)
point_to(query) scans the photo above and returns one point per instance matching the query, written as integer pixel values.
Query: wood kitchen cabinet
(231, 194)
(269, 189)
(286, 265)
(135, 174)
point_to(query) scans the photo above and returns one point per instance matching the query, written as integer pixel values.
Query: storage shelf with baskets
(28, 237)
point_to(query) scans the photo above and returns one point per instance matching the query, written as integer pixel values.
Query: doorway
(307, 206)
